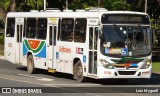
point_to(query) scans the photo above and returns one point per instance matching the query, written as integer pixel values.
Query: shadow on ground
(154, 80)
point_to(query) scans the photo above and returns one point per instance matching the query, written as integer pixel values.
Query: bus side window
(91, 38)
(50, 35)
(67, 29)
(24, 29)
(31, 27)
(42, 28)
(80, 30)
(10, 27)
(59, 29)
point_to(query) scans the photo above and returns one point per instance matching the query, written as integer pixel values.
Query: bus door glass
(19, 29)
(93, 39)
(52, 46)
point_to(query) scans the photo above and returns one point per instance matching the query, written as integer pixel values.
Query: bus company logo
(6, 90)
(127, 64)
(36, 46)
(79, 50)
(64, 50)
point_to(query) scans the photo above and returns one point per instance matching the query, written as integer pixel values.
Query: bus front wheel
(30, 65)
(79, 72)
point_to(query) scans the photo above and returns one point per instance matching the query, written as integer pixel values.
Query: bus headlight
(146, 64)
(106, 64)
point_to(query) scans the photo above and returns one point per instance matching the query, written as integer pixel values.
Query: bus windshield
(121, 40)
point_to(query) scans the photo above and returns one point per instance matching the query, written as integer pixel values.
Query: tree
(13, 5)
(82, 4)
(108, 4)
(3, 10)
(35, 4)
(116, 5)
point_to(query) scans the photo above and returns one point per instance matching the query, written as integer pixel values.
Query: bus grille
(125, 67)
(126, 72)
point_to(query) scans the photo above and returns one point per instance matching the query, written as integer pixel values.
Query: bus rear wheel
(30, 65)
(79, 72)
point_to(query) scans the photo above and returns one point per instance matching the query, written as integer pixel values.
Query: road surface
(59, 84)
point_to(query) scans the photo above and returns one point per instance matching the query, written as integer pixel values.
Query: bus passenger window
(50, 35)
(80, 30)
(96, 38)
(10, 27)
(59, 28)
(67, 29)
(31, 27)
(42, 28)
(24, 29)
(91, 38)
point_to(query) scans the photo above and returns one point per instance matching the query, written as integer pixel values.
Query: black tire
(78, 75)
(30, 65)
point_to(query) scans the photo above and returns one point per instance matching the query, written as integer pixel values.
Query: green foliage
(5, 4)
(2, 39)
(22, 5)
(1, 23)
(116, 5)
(108, 4)
(156, 67)
(82, 4)
(34, 4)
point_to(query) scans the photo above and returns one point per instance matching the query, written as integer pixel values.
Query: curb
(156, 73)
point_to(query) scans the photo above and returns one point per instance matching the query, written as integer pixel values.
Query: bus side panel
(64, 56)
(24, 53)
(10, 49)
(81, 52)
(40, 60)
(38, 52)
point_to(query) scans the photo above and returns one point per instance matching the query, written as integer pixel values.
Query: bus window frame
(31, 28)
(38, 28)
(82, 30)
(69, 38)
(11, 27)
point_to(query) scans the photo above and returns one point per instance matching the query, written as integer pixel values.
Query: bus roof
(85, 14)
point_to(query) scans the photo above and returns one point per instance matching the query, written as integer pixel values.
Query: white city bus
(98, 44)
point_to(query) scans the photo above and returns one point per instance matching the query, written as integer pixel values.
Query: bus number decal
(93, 22)
(9, 44)
(64, 50)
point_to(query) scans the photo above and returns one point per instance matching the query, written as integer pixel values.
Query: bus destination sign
(125, 18)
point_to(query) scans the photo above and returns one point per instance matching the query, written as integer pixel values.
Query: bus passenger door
(18, 44)
(93, 39)
(52, 47)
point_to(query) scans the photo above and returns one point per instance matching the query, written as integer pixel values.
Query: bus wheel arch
(30, 64)
(78, 71)
(74, 67)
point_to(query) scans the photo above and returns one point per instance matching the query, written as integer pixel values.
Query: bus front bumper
(123, 73)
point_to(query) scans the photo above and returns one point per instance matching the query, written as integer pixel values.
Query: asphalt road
(60, 84)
